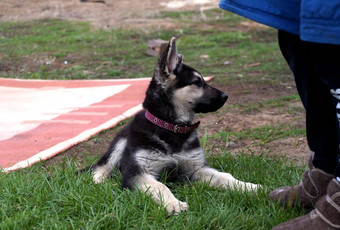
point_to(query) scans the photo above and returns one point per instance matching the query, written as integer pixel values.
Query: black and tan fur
(143, 151)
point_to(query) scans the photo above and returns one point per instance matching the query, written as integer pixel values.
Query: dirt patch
(111, 14)
(232, 119)
(117, 13)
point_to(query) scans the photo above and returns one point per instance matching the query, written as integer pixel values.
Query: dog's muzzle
(212, 102)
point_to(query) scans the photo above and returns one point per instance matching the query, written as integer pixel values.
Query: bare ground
(142, 14)
(110, 14)
(229, 119)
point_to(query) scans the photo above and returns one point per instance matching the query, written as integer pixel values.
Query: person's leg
(321, 122)
(318, 81)
(337, 169)
(327, 68)
(321, 137)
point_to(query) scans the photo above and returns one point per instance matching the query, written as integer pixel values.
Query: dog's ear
(172, 55)
(170, 58)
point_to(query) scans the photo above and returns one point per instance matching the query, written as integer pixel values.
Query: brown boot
(308, 192)
(325, 216)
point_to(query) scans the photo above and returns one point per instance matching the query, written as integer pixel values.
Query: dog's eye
(197, 82)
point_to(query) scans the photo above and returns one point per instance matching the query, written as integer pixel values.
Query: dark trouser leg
(316, 69)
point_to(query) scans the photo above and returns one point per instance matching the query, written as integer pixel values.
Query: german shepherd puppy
(162, 138)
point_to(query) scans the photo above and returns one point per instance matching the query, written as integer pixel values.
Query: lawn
(49, 195)
(55, 198)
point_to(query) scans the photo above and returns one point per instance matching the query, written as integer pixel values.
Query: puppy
(163, 139)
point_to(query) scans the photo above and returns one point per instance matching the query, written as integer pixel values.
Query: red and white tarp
(40, 118)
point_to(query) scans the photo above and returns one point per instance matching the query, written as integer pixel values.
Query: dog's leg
(100, 173)
(160, 194)
(111, 159)
(221, 179)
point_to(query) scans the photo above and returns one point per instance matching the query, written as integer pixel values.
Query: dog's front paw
(176, 207)
(98, 177)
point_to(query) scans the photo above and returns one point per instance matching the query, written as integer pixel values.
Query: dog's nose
(224, 97)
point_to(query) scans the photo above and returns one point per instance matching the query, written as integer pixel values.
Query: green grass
(40, 49)
(260, 136)
(283, 103)
(35, 199)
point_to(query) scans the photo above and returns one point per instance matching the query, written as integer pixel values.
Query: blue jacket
(313, 20)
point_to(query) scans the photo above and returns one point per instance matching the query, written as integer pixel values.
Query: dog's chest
(154, 162)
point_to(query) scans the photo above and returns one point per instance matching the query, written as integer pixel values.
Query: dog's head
(184, 86)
